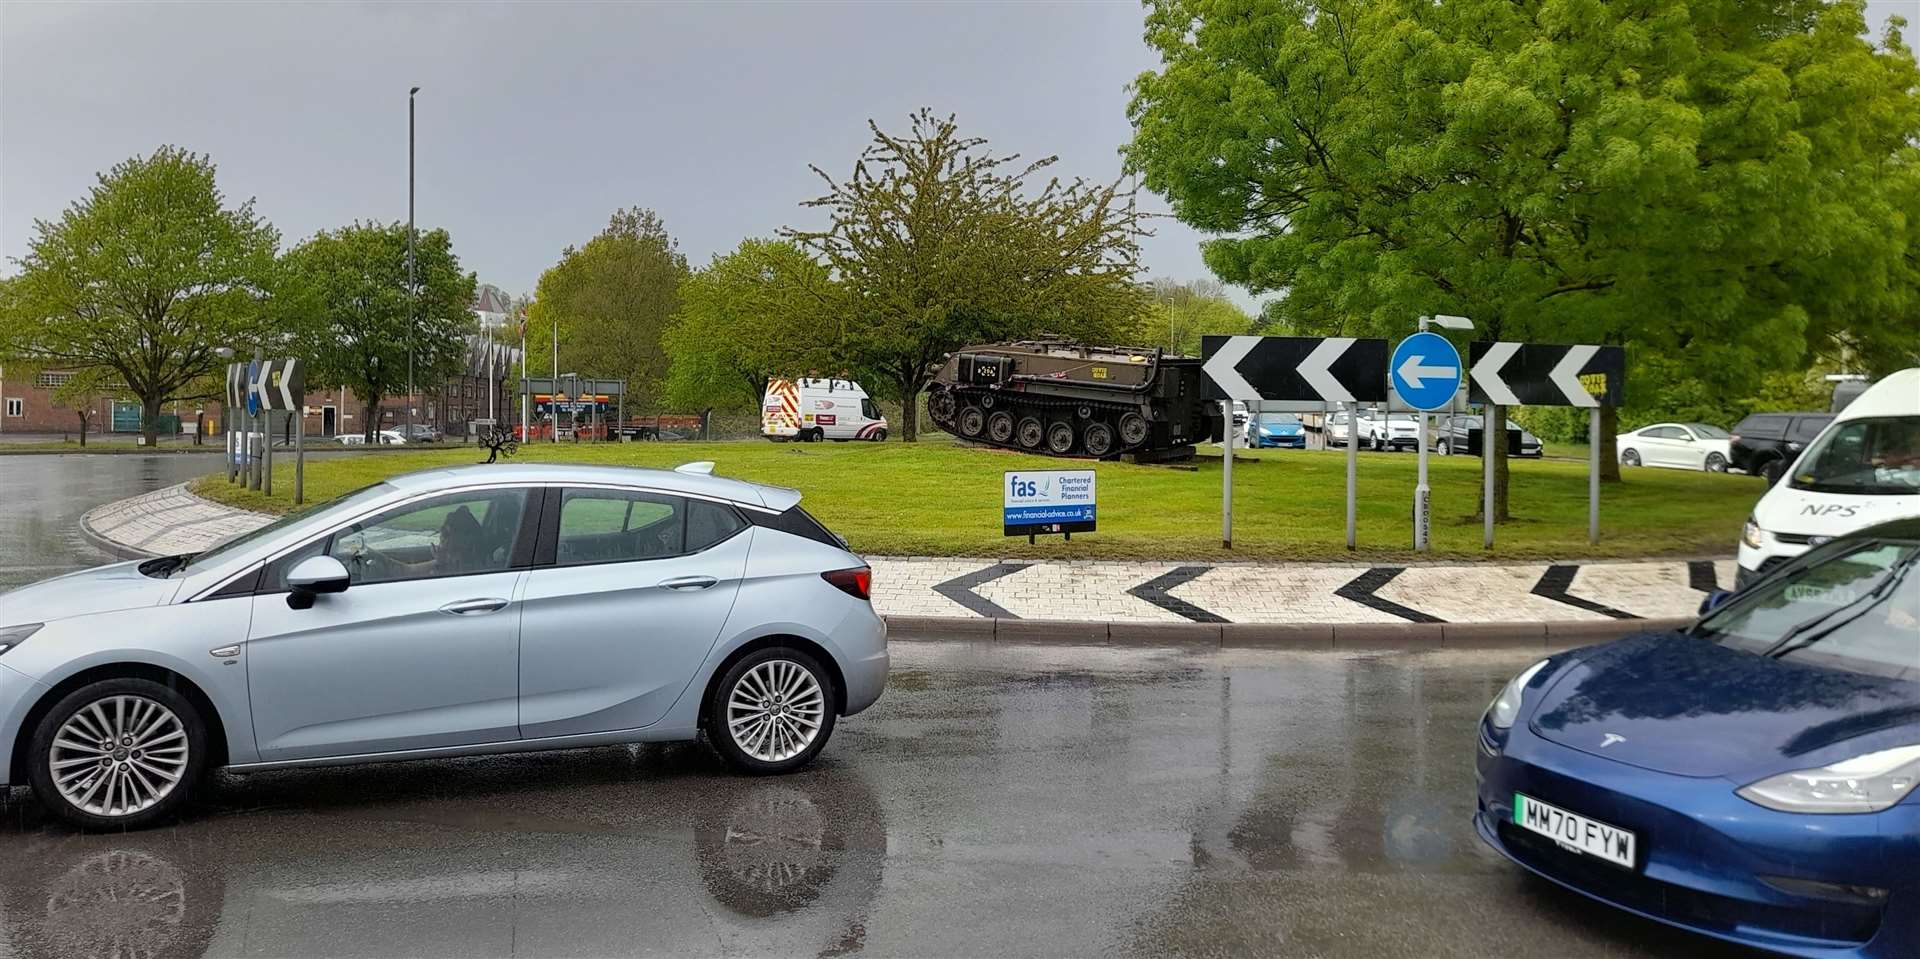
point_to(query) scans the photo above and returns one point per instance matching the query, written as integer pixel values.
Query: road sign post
(1514, 374)
(1294, 374)
(1353, 457)
(1426, 373)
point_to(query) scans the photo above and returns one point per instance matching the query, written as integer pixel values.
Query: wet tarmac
(43, 497)
(1009, 801)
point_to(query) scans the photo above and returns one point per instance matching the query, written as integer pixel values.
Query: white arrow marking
(1486, 372)
(286, 383)
(1222, 367)
(1414, 374)
(1314, 369)
(1566, 375)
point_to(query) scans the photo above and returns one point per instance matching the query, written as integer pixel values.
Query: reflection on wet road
(43, 497)
(1010, 801)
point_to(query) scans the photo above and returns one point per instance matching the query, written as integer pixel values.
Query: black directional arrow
(960, 589)
(1554, 584)
(1156, 591)
(1361, 590)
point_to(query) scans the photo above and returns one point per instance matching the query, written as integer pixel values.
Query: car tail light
(856, 582)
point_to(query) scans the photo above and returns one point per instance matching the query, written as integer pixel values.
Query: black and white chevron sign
(237, 385)
(1538, 374)
(282, 384)
(1295, 369)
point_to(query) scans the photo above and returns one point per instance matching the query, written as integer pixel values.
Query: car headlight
(11, 636)
(1505, 707)
(1866, 783)
(1750, 534)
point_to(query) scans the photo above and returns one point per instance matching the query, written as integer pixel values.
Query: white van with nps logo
(1863, 469)
(811, 410)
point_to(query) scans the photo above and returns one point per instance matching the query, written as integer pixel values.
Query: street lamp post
(413, 289)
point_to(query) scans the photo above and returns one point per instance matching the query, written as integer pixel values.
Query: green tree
(347, 291)
(142, 281)
(940, 243)
(611, 301)
(1179, 314)
(1690, 179)
(765, 310)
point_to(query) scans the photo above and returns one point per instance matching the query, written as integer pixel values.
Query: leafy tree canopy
(141, 282)
(346, 292)
(1178, 314)
(611, 301)
(765, 310)
(940, 243)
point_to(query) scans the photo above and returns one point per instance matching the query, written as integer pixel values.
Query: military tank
(1067, 399)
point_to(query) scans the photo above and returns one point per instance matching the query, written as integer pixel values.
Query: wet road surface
(1006, 801)
(43, 497)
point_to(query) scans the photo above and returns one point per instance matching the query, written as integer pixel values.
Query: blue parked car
(1750, 778)
(1276, 430)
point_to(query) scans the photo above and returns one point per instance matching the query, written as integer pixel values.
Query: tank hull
(1065, 399)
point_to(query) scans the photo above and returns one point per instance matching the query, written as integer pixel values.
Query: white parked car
(1389, 431)
(1337, 427)
(1683, 446)
(386, 438)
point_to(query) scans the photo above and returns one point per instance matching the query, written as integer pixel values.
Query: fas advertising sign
(1047, 501)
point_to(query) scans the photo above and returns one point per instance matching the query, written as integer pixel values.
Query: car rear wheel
(118, 754)
(1630, 457)
(879, 436)
(1716, 463)
(772, 712)
(1446, 448)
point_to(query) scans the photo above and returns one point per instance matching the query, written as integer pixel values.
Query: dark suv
(1765, 443)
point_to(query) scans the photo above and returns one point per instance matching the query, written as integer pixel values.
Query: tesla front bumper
(1827, 886)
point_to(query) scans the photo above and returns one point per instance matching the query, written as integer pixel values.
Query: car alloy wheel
(879, 436)
(772, 711)
(1630, 457)
(1716, 463)
(1060, 438)
(118, 754)
(1031, 433)
(1446, 448)
(1000, 427)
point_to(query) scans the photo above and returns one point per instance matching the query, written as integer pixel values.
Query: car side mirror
(1714, 600)
(312, 576)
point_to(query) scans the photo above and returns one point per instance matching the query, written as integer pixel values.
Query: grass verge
(937, 499)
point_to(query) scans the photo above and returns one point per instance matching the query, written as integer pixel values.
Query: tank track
(1048, 410)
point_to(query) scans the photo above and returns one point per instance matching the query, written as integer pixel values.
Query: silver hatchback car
(445, 613)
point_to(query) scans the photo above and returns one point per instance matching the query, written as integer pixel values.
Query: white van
(811, 410)
(1863, 469)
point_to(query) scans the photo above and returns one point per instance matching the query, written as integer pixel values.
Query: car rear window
(1762, 426)
(1808, 427)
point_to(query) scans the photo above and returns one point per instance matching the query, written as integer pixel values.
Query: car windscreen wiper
(1792, 641)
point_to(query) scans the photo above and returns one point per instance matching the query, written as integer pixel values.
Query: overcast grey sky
(537, 120)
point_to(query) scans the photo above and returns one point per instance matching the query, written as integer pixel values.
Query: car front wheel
(772, 712)
(1629, 457)
(1716, 463)
(118, 754)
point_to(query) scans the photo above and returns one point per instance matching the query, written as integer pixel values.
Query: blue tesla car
(1750, 778)
(1277, 429)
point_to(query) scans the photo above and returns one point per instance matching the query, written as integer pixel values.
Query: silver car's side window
(619, 526)
(453, 535)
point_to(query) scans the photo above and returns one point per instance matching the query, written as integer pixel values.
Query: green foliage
(1180, 313)
(1724, 182)
(141, 282)
(345, 291)
(765, 310)
(939, 243)
(612, 301)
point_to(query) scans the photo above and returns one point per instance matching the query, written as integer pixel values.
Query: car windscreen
(1858, 610)
(1279, 419)
(1877, 456)
(361, 495)
(1400, 418)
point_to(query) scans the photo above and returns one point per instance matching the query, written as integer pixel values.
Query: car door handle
(472, 607)
(688, 584)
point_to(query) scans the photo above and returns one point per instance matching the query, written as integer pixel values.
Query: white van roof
(1898, 394)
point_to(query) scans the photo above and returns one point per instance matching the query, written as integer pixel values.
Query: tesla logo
(1611, 738)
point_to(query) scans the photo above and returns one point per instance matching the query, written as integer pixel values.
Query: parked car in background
(1682, 446)
(1864, 468)
(1390, 431)
(1765, 444)
(449, 612)
(1338, 427)
(382, 438)
(1454, 434)
(420, 433)
(1269, 430)
(1750, 778)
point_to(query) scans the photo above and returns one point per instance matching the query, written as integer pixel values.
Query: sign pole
(300, 453)
(266, 452)
(1226, 477)
(1353, 456)
(1593, 474)
(1420, 491)
(1486, 483)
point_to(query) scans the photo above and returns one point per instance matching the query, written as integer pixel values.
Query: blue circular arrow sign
(1426, 371)
(253, 396)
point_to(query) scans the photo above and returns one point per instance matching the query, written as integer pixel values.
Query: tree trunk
(150, 420)
(1609, 440)
(199, 426)
(1493, 441)
(83, 429)
(910, 387)
(371, 426)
